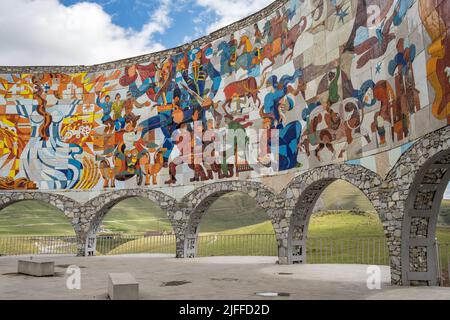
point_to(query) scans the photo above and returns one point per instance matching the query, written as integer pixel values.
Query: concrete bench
(36, 268)
(122, 286)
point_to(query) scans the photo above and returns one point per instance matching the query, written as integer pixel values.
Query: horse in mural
(244, 61)
(278, 47)
(292, 36)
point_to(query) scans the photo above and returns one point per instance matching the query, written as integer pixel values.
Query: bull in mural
(247, 88)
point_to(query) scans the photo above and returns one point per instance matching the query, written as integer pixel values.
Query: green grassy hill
(339, 226)
(341, 195)
(232, 211)
(33, 218)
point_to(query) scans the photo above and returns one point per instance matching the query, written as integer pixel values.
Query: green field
(338, 226)
(33, 218)
(230, 212)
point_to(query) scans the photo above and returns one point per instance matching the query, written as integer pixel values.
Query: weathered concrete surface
(36, 268)
(208, 278)
(122, 286)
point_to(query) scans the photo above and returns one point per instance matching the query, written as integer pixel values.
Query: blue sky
(68, 32)
(134, 14)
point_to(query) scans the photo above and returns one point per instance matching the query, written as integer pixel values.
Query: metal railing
(36, 245)
(131, 244)
(372, 251)
(237, 245)
(443, 252)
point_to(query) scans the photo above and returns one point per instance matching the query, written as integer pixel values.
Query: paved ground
(221, 278)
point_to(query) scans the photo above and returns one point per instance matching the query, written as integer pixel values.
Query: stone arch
(194, 205)
(302, 194)
(58, 201)
(93, 212)
(61, 202)
(412, 194)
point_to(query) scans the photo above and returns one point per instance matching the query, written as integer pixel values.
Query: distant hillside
(34, 218)
(231, 211)
(341, 195)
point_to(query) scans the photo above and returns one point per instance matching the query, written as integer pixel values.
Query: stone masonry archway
(302, 194)
(412, 195)
(194, 205)
(94, 211)
(64, 204)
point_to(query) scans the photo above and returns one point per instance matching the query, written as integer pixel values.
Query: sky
(72, 32)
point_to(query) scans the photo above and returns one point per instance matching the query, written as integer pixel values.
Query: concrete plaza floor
(221, 278)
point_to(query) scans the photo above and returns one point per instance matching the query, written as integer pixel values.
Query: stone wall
(404, 189)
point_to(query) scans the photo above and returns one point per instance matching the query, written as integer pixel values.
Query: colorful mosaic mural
(339, 80)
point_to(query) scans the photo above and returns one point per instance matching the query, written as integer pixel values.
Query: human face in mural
(132, 71)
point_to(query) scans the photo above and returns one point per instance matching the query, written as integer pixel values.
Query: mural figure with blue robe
(276, 104)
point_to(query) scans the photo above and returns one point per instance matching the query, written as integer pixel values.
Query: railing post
(448, 262)
(438, 263)
(91, 244)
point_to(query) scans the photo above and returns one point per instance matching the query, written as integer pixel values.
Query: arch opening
(233, 223)
(130, 224)
(35, 227)
(419, 247)
(346, 229)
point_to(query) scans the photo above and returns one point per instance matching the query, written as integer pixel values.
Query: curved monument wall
(338, 82)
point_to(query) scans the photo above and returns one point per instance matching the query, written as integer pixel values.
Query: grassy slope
(337, 226)
(33, 218)
(136, 215)
(231, 211)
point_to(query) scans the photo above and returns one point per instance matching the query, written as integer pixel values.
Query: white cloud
(229, 11)
(45, 32)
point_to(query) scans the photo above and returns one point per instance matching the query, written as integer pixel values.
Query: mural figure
(276, 104)
(407, 96)
(437, 24)
(46, 159)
